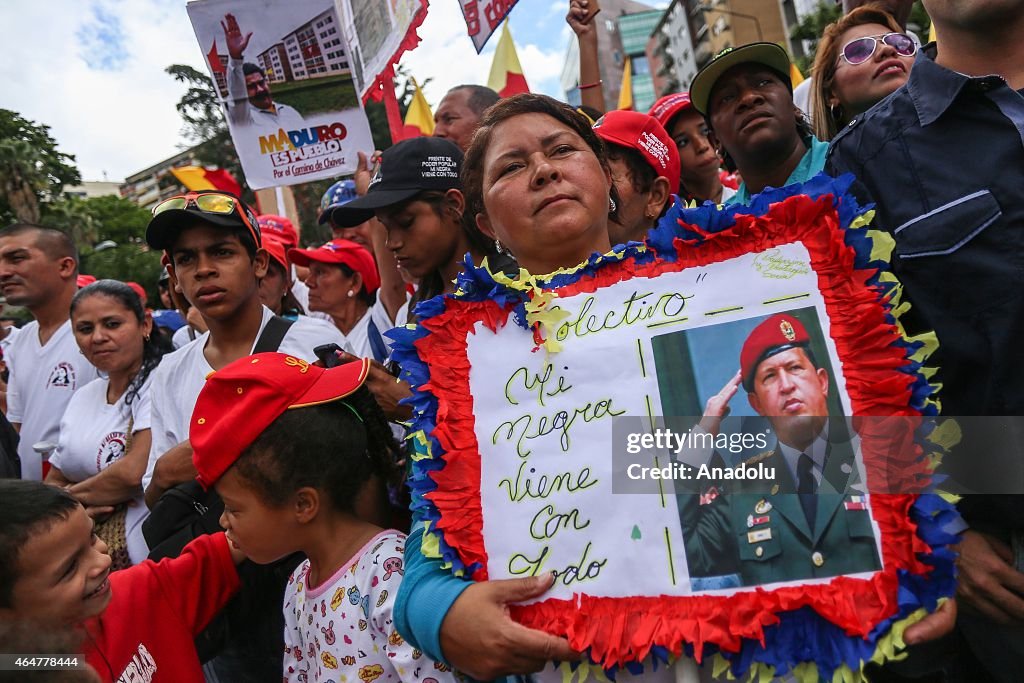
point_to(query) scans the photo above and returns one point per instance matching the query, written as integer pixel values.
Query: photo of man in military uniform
(812, 519)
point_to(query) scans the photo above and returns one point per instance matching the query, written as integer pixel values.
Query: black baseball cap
(166, 224)
(406, 169)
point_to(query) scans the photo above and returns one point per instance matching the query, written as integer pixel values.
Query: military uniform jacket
(760, 529)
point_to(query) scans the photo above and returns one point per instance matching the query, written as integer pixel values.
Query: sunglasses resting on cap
(218, 208)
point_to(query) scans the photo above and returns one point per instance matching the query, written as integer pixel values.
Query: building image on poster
(372, 24)
(375, 31)
(283, 73)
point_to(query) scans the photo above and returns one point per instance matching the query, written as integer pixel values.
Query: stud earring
(351, 293)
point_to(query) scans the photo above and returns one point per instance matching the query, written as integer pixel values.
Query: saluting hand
(717, 407)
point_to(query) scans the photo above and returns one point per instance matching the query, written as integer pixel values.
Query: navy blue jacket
(943, 158)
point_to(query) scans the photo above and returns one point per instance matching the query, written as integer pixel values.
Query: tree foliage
(96, 220)
(32, 170)
(812, 27)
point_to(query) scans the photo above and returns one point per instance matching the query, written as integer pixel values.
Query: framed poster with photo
(676, 429)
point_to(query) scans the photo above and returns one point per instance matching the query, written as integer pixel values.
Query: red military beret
(775, 334)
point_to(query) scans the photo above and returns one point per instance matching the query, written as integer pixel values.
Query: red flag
(223, 180)
(216, 66)
(394, 114)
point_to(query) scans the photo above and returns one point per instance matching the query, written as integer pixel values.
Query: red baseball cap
(775, 334)
(346, 252)
(277, 250)
(668, 106)
(279, 227)
(242, 399)
(644, 134)
(140, 290)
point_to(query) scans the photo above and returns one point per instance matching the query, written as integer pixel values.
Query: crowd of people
(187, 471)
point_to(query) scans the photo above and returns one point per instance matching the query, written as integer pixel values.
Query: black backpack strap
(272, 335)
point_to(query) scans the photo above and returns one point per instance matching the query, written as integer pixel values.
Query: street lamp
(705, 7)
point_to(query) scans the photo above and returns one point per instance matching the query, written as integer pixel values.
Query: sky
(93, 70)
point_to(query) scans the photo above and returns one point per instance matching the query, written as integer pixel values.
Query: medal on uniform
(762, 507)
(754, 521)
(855, 503)
(759, 535)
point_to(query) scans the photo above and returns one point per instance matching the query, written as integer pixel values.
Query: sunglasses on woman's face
(859, 50)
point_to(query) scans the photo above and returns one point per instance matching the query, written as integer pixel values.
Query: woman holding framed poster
(537, 181)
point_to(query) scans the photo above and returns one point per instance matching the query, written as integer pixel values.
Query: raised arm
(238, 96)
(581, 21)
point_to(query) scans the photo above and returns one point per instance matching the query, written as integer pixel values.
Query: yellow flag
(418, 117)
(626, 91)
(506, 77)
(193, 177)
(795, 77)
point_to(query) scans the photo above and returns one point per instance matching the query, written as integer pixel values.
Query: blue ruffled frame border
(801, 635)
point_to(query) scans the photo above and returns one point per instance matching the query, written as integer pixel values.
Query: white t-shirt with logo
(181, 376)
(93, 435)
(42, 381)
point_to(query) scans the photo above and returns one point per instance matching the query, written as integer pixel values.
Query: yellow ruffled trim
(889, 647)
(583, 672)
(540, 313)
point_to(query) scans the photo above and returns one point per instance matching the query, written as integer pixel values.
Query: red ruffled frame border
(620, 630)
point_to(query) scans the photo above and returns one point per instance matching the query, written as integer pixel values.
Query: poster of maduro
(282, 71)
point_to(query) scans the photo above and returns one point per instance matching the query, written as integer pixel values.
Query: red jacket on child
(156, 610)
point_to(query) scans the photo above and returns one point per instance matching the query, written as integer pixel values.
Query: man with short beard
(39, 270)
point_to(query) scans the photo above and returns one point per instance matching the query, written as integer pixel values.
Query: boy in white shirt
(38, 270)
(212, 249)
(217, 259)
